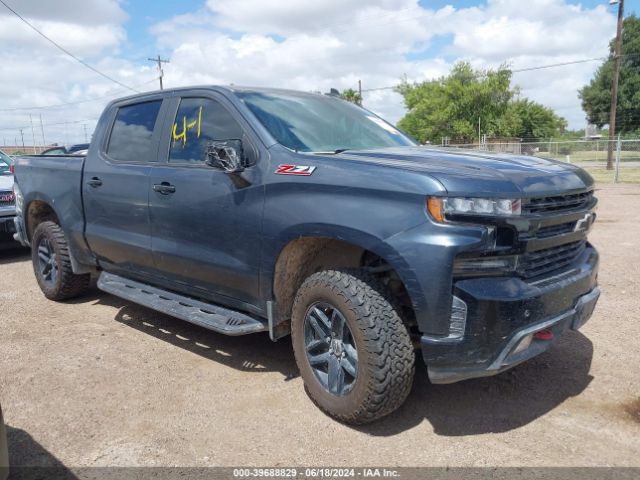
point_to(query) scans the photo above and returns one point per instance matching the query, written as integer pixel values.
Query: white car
(7, 198)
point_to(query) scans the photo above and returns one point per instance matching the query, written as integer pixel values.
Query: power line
(60, 47)
(561, 64)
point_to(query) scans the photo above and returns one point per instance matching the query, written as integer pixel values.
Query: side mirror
(226, 155)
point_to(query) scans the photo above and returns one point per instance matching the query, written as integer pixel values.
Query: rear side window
(132, 131)
(198, 122)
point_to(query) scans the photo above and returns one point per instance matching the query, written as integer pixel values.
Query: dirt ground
(100, 381)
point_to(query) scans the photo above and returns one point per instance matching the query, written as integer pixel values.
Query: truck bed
(55, 180)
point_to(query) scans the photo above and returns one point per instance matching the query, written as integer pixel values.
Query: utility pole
(22, 136)
(33, 135)
(86, 138)
(360, 92)
(159, 62)
(479, 137)
(614, 87)
(42, 130)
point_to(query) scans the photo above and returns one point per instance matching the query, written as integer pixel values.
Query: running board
(213, 317)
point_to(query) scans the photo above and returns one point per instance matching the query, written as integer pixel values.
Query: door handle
(164, 188)
(94, 182)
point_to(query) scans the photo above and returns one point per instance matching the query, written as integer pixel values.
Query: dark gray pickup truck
(261, 210)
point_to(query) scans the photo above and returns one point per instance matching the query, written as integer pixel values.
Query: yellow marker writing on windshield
(187, 126)
(183, 135)
(199, 119)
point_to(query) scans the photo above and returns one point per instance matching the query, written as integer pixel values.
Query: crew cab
(249, 210)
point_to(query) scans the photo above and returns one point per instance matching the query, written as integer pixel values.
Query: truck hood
(6, 183)
(474, 172)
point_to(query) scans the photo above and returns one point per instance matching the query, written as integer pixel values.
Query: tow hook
(543, 335)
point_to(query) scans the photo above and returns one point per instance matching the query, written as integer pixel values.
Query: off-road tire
(67, 284)
(386, 359)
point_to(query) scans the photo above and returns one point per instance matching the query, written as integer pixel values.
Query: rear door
(206, 224)
(116, 188)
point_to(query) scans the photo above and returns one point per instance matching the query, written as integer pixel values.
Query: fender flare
(78, 267)
(355, 237)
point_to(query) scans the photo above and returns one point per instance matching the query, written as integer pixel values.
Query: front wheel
(353, 351)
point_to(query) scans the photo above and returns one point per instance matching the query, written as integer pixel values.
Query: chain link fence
(588, 154)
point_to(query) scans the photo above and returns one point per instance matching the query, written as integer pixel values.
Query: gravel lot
(99, 381)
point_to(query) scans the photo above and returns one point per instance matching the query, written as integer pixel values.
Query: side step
(213, 317)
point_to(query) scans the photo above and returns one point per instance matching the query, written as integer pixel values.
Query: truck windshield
(318, 123)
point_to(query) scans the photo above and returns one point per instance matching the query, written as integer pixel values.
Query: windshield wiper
(330, 152)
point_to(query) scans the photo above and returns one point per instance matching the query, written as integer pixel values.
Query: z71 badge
(295, 170)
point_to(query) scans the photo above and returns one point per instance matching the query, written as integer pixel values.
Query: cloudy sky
(310, 45)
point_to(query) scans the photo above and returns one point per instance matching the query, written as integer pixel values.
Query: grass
(626, 175)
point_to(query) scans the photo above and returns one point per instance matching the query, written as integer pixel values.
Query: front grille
(557, 203)
(553, 230)
(537, 263)
(7, 199)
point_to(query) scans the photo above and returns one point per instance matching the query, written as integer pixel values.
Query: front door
(205, 223)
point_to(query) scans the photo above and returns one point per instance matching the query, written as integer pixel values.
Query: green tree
(531, 121)
(350, 95)
(451, 106)
(596, 96)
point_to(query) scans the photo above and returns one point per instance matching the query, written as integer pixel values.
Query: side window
(130, 139)
(198, 122)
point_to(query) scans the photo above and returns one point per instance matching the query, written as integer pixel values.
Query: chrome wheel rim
(330, 348)
(47, 262)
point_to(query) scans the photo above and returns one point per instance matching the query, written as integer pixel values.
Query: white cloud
(91, 12)
(34, 72)
(287, 17)
(82, 40)
(310, 46)
(318, 45)
(547, 28)
(306, 45)
(86, 27)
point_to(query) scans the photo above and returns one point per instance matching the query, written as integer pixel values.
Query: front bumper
(502, 311)
(7, 225)
(20, 234)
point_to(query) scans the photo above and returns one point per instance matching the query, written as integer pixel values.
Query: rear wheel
(52, 265)
(354, 353)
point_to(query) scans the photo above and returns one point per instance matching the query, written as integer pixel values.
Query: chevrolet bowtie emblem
(584, 224)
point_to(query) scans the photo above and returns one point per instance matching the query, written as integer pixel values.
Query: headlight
(18, 198)
(441, 208)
